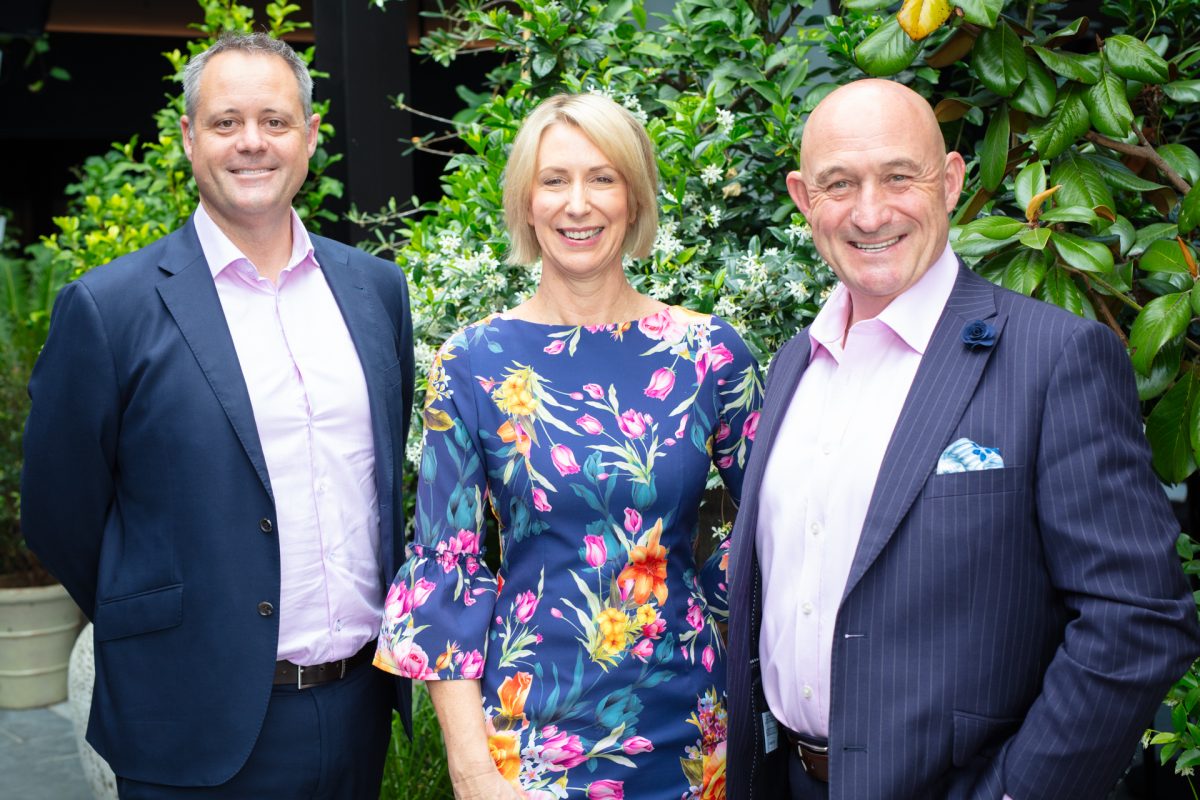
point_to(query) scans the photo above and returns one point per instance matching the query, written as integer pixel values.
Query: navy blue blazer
(145, 491)
(1001, 630)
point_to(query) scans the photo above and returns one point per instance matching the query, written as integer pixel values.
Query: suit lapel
(941, 389)
(191, 298)
(367, 321)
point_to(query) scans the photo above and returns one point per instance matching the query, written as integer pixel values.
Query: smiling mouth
(581, 235)
(258, 171)
(875, 247)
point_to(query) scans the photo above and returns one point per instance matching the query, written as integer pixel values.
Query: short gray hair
(254, 44)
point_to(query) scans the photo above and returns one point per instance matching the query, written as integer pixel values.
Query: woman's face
(579, 208)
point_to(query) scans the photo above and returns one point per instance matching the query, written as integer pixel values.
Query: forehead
(865, 150)
(235, 79)
(563, 143)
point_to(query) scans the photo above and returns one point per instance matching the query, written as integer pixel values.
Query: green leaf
(1038, 91)
(1025, 271)
(981, 12)
(1069, 214)
(1030, 182)
(1035, 238)
(1168, 428)
(993, 155)
(864, 5)
(974, 245)
(1082, 68)
(1107, 106)
(1163, 256)
(999, 60)
(1183, 91)
(1061, 289)
(1160, 321)
(1082, 184)
(1133, 59)
(1084, 255)
(1068, 32)
(1066, 123)
(639, 14)
(543, 64)
(1182, 159)
(1120, 176)
(1189, 211)
(1152, 233)
(993, 227)
(886, 51)
(1162, 372)
(1123, 229)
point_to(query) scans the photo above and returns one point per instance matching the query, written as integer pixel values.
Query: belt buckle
(805, 751)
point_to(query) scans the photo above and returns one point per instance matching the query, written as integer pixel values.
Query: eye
(897, 178)
(553, 180)
(606, 179)
(276, 124)
(224, 125)
(839, 186)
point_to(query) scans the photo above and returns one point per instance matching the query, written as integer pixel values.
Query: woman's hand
(459, 706)
(486, 784)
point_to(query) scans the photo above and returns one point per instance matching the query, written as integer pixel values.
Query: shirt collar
(912, 316)
(220, 252)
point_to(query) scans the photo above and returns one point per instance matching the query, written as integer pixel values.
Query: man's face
(876, 188)
(249, 142)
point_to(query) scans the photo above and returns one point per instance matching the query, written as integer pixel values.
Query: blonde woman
(585, 419)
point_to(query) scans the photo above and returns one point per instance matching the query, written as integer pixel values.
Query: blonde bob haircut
(617, 134)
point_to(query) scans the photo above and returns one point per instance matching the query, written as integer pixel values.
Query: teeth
(251, 171)
(579, 236)
(877, 246)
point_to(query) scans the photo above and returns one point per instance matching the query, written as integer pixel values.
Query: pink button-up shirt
(820, 478)
(310, 405)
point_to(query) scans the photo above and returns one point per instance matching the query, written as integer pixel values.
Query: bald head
(876, 185)
(889, 108)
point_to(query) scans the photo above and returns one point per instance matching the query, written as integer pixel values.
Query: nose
(577, 199)
(871, 210)
(251, 139)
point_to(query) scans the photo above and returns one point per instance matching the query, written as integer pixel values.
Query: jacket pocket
(135, 614)
(983, 481)
(978, 736)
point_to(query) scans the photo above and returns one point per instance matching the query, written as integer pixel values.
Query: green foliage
(123, 200)
(416, 768)
(1080, 187)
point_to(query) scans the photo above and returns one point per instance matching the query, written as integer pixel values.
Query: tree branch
(1145, 151)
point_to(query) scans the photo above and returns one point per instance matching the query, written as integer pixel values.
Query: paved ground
(38, 760)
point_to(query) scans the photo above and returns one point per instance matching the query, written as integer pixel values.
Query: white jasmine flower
(448, 242)
(710, 175)
(724, 121)
(771, 251)
(797, 289)
(725, 308)
(713, 217)
(799, 232)
(412, 451)
(635, 107)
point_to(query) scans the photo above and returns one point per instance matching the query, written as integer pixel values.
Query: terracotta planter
(38, 625)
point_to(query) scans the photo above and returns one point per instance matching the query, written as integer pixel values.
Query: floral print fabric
(596, 641)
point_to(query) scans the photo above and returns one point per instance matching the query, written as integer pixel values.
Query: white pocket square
(967, 456)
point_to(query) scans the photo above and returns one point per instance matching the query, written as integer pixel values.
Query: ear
(314, 126)
(953, 177)
(185, 128)
(798, 191)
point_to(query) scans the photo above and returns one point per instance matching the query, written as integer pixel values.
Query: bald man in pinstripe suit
(954, 571)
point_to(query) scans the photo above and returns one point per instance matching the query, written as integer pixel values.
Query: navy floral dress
(596, 641)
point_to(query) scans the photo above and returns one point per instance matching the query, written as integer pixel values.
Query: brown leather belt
(813, 757)
(302, 677)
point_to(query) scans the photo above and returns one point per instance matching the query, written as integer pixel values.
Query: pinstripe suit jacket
(1001, 630)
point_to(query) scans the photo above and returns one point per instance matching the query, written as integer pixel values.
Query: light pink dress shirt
(310, 405)
(820, 478)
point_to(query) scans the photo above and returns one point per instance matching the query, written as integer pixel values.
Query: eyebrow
(556, 168)
(897, 163)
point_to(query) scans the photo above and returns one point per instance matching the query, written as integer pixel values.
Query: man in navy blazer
(953, 574)
(212, 467)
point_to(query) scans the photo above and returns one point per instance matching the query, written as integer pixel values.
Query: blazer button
(266, 609)
(265, 525)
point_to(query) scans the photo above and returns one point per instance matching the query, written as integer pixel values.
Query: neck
(595, 301)
(268, 245)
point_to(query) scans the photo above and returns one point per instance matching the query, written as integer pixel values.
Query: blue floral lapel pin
(978, 335)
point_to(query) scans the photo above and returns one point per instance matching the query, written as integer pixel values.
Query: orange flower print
(505, 748)
(513, 691)
(511, 432)
(713, 785)
(647, 568)
(614, 626)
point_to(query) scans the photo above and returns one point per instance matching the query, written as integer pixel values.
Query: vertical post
(365, 51)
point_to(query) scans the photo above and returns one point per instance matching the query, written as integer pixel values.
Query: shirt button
(265, 525)
(265, 609)
(808, 692)
(807, 608)
(815, 529)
